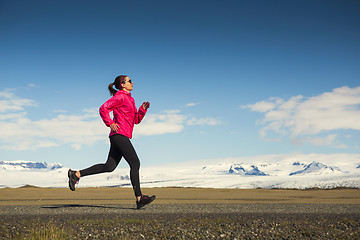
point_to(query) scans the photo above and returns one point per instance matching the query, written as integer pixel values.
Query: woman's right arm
(106, 108)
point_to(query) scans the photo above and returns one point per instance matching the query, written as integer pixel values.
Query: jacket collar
(123, 92)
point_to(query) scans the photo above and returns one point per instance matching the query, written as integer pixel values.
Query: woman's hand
(114, 127)
(145, 105)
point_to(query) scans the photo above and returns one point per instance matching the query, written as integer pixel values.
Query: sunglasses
(127, 81)
(122, 80)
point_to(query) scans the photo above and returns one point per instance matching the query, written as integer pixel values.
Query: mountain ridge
(281, 171)
(28, 165)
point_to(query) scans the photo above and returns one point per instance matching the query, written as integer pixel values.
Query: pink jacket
(124, 111)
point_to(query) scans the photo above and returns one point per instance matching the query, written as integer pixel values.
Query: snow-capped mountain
(316, 168)
(26, 165)
(242, 170)
(234, 168)
(269, 171)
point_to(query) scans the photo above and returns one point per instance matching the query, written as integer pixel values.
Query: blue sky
(224, 78)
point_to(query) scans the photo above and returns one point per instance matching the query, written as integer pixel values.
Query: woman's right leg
(113, 160)
(111, 163)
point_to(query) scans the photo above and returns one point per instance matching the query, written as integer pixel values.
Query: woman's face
(127, 84)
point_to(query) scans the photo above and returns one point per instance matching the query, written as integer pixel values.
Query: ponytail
(111, 89)
(117, 84)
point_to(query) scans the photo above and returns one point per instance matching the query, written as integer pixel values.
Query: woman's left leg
(127, 150)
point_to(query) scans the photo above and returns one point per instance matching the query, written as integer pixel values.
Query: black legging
(120, 147)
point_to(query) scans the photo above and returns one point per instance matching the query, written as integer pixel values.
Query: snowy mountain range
(25, 165)
(269, 171)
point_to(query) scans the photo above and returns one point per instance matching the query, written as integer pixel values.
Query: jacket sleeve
(140, 115)
(106, 108)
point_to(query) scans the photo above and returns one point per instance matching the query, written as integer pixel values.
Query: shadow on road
(84, 206)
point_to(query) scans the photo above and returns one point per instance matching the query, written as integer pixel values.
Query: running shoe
(73, 179)
(144, 200)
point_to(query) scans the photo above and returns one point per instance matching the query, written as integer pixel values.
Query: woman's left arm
(141, 113)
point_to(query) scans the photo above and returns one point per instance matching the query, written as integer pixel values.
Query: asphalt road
(180, 209)
(181, 221)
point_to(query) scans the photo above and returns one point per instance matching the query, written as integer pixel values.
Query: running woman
(125, 116)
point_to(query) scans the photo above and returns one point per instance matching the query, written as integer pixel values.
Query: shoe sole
(69, 176)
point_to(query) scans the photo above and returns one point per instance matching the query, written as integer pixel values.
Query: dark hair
(117, 84)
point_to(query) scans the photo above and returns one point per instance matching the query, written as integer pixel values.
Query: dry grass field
(43, 196)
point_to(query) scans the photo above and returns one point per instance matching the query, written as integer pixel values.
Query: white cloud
(32, 85)
(19, 132)
(7, 93)
(192, 104)
(25, 134)
(203, 121)
(301, 116)
(264, 106)
(9, 102)
(341, 146)
(157, 124)
(12, 116)
(323, 141)
(59, 111)
(172, 121)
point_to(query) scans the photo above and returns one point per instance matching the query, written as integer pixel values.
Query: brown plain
(40, 196)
